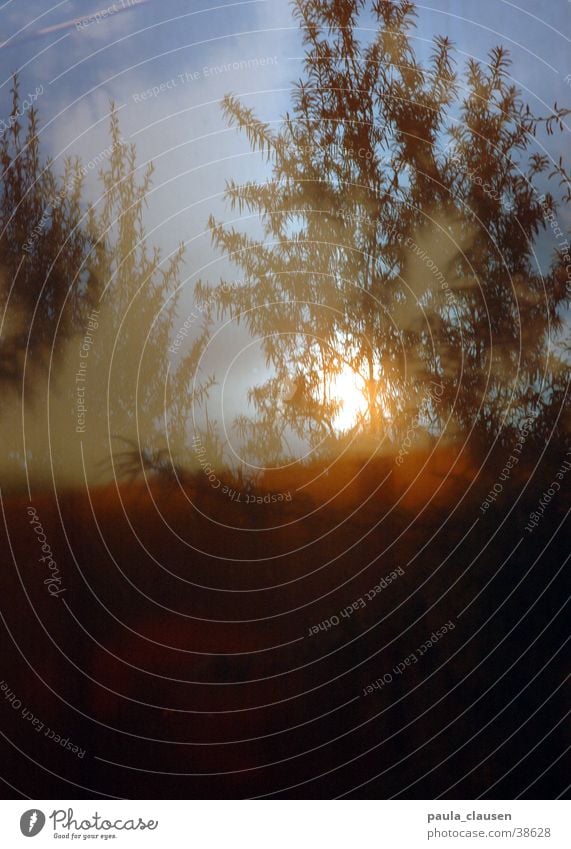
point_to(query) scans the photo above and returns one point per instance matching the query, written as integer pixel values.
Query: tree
(398, 230)
(141, 305)
(74, 271)
(42, 244)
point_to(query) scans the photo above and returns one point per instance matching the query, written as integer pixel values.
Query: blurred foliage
(42, 248)
(61, 259)
(399, 225)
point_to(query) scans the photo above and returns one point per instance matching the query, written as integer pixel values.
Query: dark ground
(180, 659)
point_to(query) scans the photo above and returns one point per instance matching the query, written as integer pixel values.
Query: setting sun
(347, 389)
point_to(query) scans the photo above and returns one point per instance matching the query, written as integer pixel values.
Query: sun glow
(347, 389)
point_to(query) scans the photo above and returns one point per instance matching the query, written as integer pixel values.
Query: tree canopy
(71, 271)
(399, 219)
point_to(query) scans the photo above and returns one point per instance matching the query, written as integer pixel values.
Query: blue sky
(144, 46)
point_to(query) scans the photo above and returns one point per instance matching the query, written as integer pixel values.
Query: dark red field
(183, 650)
